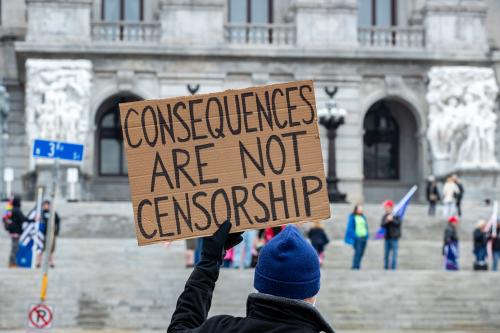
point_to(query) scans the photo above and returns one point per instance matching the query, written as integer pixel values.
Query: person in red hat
(392, 233)
(450, 246)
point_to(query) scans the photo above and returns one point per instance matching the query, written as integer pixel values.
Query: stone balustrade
(260, 34)
(122, 31)
(397, 37)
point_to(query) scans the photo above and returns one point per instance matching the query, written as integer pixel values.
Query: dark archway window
(381, 143)
(110, 152)
(377, 13)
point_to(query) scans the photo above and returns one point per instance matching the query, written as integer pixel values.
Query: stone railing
(260, 34)
(397, 37)
(128, 32)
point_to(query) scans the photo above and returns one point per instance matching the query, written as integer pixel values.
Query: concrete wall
(492, 24)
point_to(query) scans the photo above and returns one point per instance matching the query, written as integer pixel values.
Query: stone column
(326, 23)
(193, 23)
(55, 21)
(456, 25)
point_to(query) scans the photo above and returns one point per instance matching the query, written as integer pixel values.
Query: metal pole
(38, 217)
(50, 231)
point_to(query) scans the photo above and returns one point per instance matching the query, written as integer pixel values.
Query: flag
(399, 210)
(31, 240)
(492, 222)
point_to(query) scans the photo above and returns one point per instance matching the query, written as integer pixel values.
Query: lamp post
(4, 113)
(331, 118)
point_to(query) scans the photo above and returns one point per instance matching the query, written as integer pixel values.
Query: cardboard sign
(250, 156)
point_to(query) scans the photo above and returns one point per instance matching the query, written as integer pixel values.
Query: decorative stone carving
(58, 99)
(462, 121)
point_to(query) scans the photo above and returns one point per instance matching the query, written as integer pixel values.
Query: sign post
(40, 316)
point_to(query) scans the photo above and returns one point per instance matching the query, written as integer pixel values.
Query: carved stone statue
(58, 99)
(462, 121)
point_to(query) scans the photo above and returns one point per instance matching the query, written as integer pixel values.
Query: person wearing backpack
(13, 219)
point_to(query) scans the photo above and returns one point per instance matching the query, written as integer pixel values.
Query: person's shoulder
(221, 323)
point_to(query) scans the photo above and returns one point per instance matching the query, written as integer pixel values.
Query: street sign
(57, 149)
(40, 316)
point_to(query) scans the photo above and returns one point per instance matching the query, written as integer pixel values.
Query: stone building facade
(67, 63)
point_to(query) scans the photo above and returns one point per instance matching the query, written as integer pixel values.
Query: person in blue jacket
(357, 234)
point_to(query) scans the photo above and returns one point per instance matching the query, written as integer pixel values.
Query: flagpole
(38, 216)
(50, 232)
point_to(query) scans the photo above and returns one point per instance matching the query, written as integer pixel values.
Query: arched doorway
(390, 150)
(110, 163)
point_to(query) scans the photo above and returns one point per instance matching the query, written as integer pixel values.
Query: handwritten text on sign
(251, 156)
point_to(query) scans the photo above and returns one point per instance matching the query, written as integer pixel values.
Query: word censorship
(250, 156)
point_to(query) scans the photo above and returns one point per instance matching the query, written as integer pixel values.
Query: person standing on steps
(480, 238)
(495, 248)
(13, 220)
(392, 226)
(357, 234)
(432, 195)
(459, 196)
(450, 245)
(287, 278)
(44, 227)
(319, 239)
(450, 193)
(243, 251)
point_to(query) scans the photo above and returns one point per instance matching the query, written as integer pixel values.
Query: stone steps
(113, 284)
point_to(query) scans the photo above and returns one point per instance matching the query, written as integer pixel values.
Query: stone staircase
(103, 280)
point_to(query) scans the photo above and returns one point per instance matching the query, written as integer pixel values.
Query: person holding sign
(287, 277)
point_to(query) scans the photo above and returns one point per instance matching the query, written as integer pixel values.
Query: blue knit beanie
(288, 266)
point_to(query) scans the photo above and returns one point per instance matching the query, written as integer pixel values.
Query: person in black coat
(14, 227)
(392, 226)
(319, 239)
(480, 241)
(45, 220)
(287, 277)
(432, 195)
(495, 247)
(460, 194)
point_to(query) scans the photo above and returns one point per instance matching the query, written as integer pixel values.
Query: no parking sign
(40, 317)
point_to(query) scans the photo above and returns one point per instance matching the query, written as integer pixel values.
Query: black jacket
(46, 218)
(450, 234)
(318, 238)
(17, 218)
(432, 192)
(496, 244)
(392, 228)
(480, 239)
(265, 313)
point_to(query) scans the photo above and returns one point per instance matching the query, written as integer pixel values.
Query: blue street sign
(57, 149)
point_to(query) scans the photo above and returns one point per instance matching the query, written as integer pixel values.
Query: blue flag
(399, 210)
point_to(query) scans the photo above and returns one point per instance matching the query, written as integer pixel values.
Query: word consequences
(250, 156)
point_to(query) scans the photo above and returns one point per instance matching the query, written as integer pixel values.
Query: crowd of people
(452, 195)
(246, 253)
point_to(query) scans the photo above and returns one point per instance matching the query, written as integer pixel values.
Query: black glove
(215, 246)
